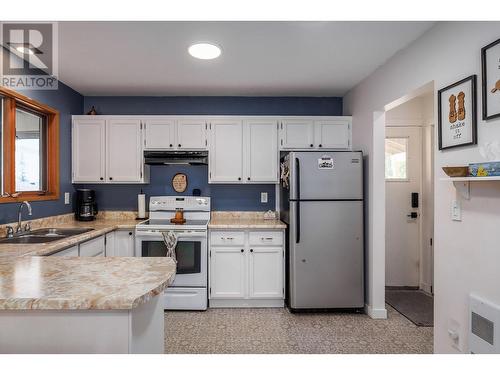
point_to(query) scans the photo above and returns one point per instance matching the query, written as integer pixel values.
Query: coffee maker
(86, 206)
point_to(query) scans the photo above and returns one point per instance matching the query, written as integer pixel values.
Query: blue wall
(214, 105)
(68, 102)
(224, 196)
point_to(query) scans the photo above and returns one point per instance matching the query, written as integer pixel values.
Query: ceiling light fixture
(204, 51)
(25, 50)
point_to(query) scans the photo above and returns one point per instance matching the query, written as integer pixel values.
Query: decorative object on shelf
(179, 217)
(456, 171)
(179, 182)
(269, 215)
(92, 111)
(457, 121)
(490, 66)
(486, 169)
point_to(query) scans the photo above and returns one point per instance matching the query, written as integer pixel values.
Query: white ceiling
(258, 58)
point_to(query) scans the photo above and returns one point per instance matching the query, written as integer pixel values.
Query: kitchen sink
(44, 235)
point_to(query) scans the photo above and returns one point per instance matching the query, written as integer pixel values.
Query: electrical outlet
(263, 197)
(66, 198)
(456, 211)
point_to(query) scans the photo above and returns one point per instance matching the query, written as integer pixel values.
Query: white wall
(419, 112)
(467, 253)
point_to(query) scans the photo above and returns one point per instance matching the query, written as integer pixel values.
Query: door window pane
(30, 151)
(396, 158)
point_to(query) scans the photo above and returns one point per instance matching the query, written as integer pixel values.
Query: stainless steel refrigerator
(322, 203)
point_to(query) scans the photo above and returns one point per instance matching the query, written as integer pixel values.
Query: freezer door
(326, 175)
(326, 255)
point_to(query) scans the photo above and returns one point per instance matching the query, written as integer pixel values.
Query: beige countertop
(242, 220)
(82, 283)
(103, 225)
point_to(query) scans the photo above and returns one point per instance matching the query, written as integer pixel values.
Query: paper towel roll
(141, 206)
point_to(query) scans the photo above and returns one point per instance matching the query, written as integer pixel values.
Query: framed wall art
(490, 66)
(457, 114)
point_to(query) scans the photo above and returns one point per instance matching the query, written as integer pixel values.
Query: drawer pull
(266, 238)
(227, 238)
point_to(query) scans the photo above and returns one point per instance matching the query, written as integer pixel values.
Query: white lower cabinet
(69, 252)
(248, 275)
(95, 247)
(120, 243)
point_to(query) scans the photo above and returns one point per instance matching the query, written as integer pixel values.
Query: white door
(88, 150)
(297, 134)
(332, 134)
(261, 157)
(191, 134)
(266, 272)
(226, 151)
(123, 151)
(403, 171)
(159, 134)
(227, 272)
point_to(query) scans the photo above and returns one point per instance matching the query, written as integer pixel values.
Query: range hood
(176, 157)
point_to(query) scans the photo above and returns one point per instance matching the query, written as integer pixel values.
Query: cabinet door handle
(242, 250)
(111, 178)
(251, 250)
(248, 178)
(102, 178)
(129, 233)
(266, 238)
(171, 145)
(179, 145)
(320, 145)
(311, 145)
(239, 178)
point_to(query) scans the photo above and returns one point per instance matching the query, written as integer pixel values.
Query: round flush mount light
(204, 51)
(25, 50)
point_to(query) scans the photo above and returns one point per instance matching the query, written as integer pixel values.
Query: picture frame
(490, 70)
(457, 121)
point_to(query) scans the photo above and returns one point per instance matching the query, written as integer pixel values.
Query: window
(29, 148)
(396, 159)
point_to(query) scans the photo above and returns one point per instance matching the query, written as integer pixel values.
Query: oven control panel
(172, 203)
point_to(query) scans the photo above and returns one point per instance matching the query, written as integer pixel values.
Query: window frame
(407, 164)
(11, 101)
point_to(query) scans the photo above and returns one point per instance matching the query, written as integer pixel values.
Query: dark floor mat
(415, 305)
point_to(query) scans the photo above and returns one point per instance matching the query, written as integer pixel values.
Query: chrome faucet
(19, 227)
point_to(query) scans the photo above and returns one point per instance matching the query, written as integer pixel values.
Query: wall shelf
(462, 184)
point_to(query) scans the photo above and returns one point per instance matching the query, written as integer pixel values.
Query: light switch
(263, 197)
(66, 198)
(456, 211)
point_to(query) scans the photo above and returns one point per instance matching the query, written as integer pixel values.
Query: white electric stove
(189, 289)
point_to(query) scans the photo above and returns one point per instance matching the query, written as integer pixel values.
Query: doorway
(409, 147)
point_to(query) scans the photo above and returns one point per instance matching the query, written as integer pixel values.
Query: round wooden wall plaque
(180, 182)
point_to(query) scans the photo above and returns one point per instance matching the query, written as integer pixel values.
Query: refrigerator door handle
(297, 211)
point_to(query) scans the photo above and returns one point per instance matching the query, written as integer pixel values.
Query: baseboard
(426, 288)
(214, 303)
(375, 313)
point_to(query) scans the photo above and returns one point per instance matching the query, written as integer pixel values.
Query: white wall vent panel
(484, 326)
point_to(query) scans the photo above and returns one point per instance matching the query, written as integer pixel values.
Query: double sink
(44, 235)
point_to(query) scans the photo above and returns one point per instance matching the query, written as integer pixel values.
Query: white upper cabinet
(164, 133)
(261, 151)
(159, 134)
(191, 134)
(297, 133)
(123, 150)
(332, 134)
(88, 143)
(108, 150)
(226, 151)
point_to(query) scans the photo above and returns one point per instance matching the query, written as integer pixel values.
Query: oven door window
(188, 254)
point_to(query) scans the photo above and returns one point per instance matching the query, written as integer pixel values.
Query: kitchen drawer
(227, 238)
(92, 248)
(69, 252)
(265, 238)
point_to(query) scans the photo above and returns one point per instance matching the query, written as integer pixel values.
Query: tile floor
(278, 331)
